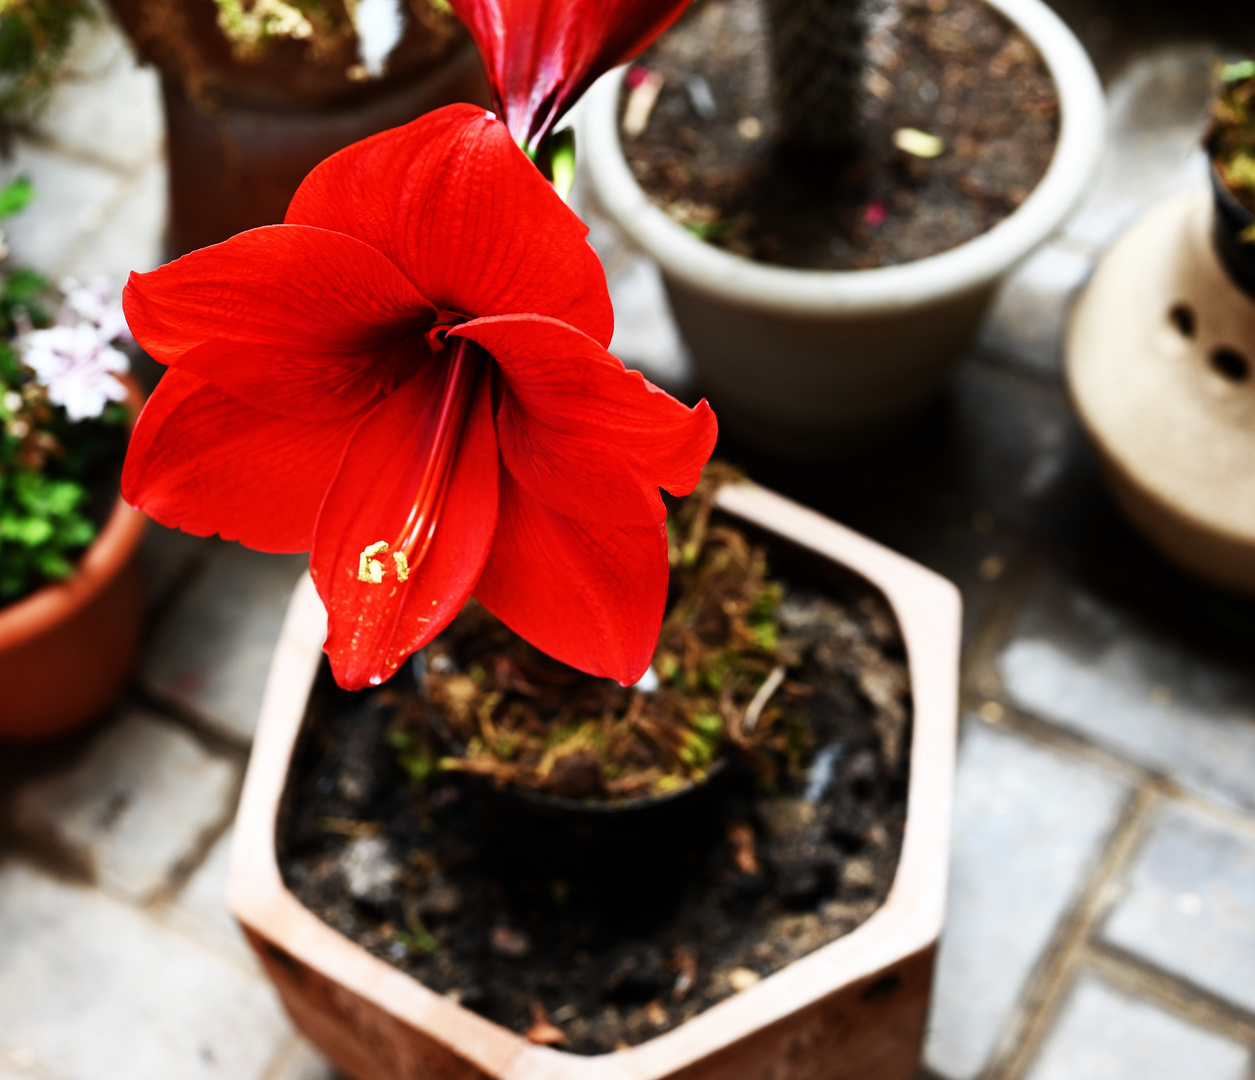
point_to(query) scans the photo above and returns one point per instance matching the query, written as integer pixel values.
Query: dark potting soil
(953, 69)
(592, 937)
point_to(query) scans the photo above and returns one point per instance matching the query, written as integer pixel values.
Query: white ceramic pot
(1161, 367)
(804, 362)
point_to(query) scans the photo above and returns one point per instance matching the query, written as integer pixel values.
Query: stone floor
(1102, 902)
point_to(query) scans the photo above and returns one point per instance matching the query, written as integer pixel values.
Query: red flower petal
(373, 628)
(581, 433)
(207, 463)
(590, 595)
(541, 56)
(298, 321)
(454, 203)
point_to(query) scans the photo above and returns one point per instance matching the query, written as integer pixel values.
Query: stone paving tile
(211, 652)
(92, 989)
(170, 555)
(1021, 856)
(71, 202)
(133, 238)
(1161, 702)
(112, 115)
(1029, 314)
(1103, 1035)
(303, 1062)
(200, 908)
(95, 47)
(1190, 904)
(134, 806)
(20, 1065)
(1157, 113)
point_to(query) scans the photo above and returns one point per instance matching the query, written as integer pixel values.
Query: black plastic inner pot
(1231, 219)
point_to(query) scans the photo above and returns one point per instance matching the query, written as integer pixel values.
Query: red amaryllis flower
(410, 376)
(541, 55)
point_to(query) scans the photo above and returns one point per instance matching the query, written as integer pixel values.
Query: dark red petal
(452, 201)
(373, 628)
(590, 595)
(541, 55)
(582, 434)
(206, 463)
(295, 320)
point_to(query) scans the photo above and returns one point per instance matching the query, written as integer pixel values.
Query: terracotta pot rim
(103, 560)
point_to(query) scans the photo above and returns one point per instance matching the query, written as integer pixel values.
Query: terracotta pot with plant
(1160, 354)
(71, 597)
(833, 191)
(410, 378)
(257, 92)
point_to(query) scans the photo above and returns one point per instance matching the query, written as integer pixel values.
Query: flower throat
(414, 541)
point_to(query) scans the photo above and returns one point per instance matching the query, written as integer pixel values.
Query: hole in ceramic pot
(1182, 317)
(1231, 364)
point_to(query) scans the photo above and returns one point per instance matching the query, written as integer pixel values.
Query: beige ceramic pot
(1161, 366)
(854, 1009)
(66, 650)
(803, 362)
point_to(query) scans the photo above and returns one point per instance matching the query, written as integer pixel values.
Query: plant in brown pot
(1161, 354)
(70, 593)
(586, 770)
(257, 92)
(834, 188)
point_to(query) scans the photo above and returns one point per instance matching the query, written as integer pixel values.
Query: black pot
(1230, 220)
(581, 838)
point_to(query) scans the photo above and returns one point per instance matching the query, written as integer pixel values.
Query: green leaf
(24, 285)
(1243, 69)
(28, 531)
(16, 196)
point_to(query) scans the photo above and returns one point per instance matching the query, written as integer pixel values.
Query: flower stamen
(370, 569)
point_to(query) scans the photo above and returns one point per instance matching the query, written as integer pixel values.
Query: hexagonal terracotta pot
(854, 1009)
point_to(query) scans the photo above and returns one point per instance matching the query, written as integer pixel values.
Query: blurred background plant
(325, 25)
(1232, 139)
(63, 430)
(34, 35)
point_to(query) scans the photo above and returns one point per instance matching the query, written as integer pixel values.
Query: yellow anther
(403, 565)
(370, 570)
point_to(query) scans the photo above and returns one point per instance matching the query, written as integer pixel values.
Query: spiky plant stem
(817, 58)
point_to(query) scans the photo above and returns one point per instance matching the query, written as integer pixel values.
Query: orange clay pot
(66, 650)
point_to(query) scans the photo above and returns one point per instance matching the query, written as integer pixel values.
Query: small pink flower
(77, 366)
(94, 303)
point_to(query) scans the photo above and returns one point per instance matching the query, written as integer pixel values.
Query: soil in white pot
(587, 929)
(957, 122)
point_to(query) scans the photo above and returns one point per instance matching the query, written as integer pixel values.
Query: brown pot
(242, 134)
(854, 1009)
(66, 650)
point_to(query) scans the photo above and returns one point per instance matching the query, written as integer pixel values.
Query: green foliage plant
(58, 476)
(1232, 138)
(34, 35)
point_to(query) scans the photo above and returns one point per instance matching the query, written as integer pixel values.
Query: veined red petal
(375, 626)
(295, 320)
(590, 595)
(452, 201)
(541, 55)
(582, 434)
(201, 461)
